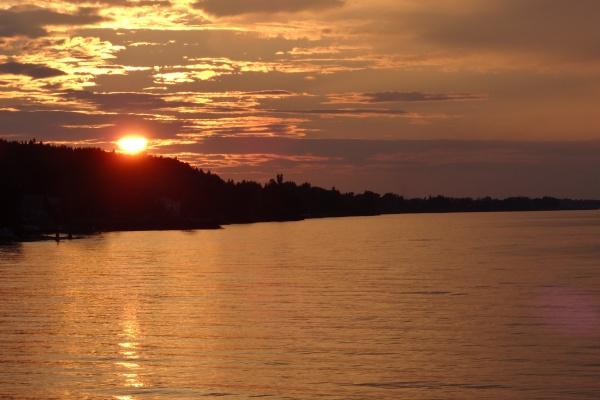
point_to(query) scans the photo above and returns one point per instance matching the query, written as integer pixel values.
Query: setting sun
(132, 144)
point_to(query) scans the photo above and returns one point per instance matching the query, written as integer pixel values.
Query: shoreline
(8, 237)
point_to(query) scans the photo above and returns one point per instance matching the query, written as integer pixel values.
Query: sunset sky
(419, 97)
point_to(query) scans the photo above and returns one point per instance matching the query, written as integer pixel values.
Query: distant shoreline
(49, 237)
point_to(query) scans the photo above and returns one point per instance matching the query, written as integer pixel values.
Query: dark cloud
(134, 3)
(269, 93)
(31, 21)
(36, 71)
(124, 101)
(363, 149)
(554, 27)
(345, 111)
(240, 129)
(239, 7)
(381, 97)
(73, 126)
(140, 102)
(418, 167)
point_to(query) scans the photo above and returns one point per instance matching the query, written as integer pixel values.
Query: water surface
(447, 306)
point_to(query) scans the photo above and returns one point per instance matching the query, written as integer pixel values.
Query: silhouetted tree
(84, 190)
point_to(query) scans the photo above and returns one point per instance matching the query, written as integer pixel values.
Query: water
(452, 306)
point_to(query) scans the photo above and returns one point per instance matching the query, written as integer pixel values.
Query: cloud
(351, 112)
(410, 167)
(36, 71)
(240, 7)
(136, 3)
(562, 29)
(31, 21)
(382, 97)
(124, 101)
(177, 47)
(68, 125)
(268, 93)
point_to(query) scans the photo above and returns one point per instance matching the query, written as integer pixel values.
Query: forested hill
(47, 188)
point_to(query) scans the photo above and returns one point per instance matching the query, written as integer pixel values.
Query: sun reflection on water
(129, 352)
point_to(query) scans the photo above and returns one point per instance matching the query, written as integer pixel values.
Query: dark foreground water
(454, 306)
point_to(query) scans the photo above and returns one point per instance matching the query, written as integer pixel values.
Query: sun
(132, 144)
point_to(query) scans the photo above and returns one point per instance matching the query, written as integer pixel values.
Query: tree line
(47, 188)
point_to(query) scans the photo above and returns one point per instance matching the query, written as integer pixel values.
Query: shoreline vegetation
(56, 192)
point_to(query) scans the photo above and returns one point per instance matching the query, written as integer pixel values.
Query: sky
(417, 97)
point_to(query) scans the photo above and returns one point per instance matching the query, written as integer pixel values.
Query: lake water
(448, 306)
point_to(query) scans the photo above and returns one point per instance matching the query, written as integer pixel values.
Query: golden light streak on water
(445, 306)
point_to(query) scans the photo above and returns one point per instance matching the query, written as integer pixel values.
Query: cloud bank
(239, 7)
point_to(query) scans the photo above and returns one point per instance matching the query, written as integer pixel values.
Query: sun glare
(132, 144)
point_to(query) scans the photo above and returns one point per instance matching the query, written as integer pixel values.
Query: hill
(48, 188)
